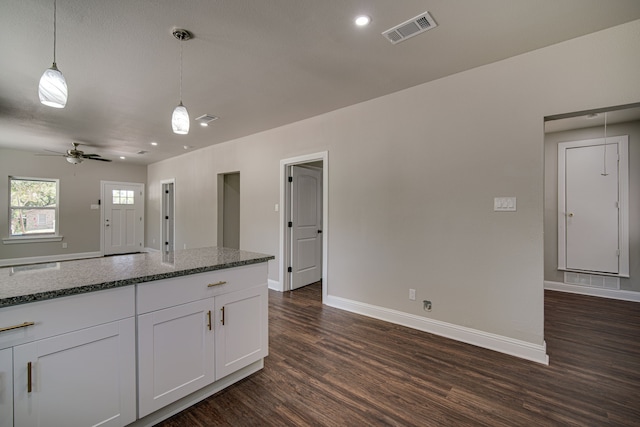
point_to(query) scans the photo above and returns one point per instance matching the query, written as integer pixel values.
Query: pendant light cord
(180, 70)
(54, 33)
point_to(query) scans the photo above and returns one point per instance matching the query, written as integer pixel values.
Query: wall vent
(592, 280)
(410, 28)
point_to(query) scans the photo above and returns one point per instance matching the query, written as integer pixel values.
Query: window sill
(30, 239)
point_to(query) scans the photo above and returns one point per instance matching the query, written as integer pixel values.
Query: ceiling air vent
(410, 28)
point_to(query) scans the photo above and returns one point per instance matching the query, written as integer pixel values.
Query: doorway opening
(304, 222)
(229, 210)
(591, 213)
(168, 215)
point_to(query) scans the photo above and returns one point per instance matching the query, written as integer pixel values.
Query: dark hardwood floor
(328, 367)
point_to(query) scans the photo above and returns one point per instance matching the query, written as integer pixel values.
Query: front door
(123, 217)
(306, 221)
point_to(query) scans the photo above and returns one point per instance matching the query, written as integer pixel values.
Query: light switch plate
(504, 204)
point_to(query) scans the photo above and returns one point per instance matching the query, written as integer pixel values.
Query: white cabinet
(73, 365)
(6, 387)
(242, 329)
(195, 330)
(82, 378)
(175, 353)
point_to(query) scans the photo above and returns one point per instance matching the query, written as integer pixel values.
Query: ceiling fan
(76, 156)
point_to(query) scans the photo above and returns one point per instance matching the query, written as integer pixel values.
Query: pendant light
(53, 87)
(180, 117)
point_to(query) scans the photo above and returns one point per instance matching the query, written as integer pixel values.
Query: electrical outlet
(426, 305)
(64, 245)
(412, 294)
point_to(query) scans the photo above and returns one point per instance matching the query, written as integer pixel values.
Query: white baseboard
(275, 285)
(48, 258)
(594, 292)
(502, 344)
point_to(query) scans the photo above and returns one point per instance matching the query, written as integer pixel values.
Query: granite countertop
(28, 283)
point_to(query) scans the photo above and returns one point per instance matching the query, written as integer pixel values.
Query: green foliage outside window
(33, 206)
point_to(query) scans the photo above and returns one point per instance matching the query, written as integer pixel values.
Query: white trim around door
(322, 156)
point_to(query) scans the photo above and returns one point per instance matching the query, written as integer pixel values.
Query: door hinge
(289, 270)
(290, 224)
(290, 179)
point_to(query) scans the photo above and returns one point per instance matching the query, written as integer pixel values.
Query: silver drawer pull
(22, 325)
(211, 285)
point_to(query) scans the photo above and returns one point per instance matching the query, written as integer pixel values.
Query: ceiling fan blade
(97, 158)
(57, 152)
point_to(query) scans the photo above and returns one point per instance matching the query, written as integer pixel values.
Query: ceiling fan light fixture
(74, 160)
(52, 89)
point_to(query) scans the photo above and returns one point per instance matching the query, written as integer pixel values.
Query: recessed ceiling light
(186, 147)
(122, 157)
(154, 143)
(362, 20)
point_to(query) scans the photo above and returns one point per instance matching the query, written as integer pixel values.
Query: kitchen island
(131, 339)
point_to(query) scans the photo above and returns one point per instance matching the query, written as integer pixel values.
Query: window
(122, 197)
(33, 206)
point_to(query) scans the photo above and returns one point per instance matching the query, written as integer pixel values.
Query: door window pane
(123, 197)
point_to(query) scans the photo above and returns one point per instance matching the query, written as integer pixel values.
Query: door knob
(570, 214)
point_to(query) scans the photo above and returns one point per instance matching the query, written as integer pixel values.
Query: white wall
(79, 189)
(551, 272)
(412, 177)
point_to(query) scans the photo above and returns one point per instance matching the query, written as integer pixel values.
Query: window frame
(34, 237)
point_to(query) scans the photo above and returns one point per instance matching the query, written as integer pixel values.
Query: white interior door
(123, 217)
(591, 219)
(306, 220)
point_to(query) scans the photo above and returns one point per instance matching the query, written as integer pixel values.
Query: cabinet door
(6, 387)
(175, 353)
(82, 378)
(241, 329)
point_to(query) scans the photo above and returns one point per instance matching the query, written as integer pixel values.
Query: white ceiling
(256, 64)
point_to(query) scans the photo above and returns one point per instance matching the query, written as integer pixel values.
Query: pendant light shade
(180, 120)
(52, 89)
(180, 116)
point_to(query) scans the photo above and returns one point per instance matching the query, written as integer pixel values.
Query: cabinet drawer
(165, 293)
(60, 315)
